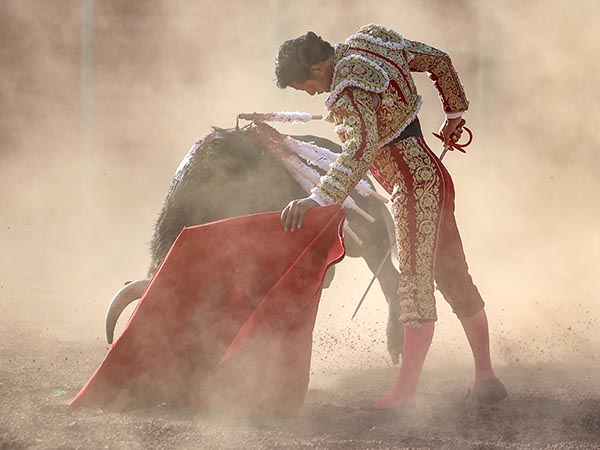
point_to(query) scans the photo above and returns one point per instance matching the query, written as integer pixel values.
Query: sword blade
(444, 153)
(375, 274)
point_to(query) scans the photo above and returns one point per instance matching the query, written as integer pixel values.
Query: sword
(448, 146)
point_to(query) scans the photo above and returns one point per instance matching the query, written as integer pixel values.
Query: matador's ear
(318, 69)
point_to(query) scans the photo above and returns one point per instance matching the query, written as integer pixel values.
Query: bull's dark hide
(231, 173)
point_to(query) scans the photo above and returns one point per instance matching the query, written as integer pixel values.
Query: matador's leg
(456, 285)
(416, 204)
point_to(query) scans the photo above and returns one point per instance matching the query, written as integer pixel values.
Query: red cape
(226, 322)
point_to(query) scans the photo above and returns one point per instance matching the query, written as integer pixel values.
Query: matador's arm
(424, 58)
(356, 122)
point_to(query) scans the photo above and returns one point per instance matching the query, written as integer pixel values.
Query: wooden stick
(379, 197)
(363, 213)
(352, 234)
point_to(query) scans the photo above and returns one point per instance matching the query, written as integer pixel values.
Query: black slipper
(487, 393)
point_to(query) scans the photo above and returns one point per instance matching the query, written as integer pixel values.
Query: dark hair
(296, 56)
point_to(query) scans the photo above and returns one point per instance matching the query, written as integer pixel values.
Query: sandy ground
(525, 211)
(551, 406)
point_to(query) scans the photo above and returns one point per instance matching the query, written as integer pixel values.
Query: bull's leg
(388, 280)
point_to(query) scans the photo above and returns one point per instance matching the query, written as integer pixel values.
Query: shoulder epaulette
(357, 71)
(378, 35)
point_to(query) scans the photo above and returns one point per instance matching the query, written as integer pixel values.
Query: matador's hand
(451, 130)
(292, 216)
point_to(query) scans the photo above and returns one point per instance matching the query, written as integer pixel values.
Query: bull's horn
(126, 295)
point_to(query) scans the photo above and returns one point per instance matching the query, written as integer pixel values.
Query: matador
(374, 105)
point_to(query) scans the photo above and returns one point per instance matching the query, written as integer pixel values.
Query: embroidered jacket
(373, 98)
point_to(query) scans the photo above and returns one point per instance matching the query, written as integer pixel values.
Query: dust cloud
(76, 219)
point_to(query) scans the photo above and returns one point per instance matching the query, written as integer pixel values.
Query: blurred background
(101, 99)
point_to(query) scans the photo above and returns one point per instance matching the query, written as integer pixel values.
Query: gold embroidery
(415, 247)
(378, 47)
(371, 60)
(424, 58)
(384, 34)
(357, 130)
(426, 191)
(396, 57)
(358, 71)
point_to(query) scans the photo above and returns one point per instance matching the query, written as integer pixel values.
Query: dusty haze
(76, 219)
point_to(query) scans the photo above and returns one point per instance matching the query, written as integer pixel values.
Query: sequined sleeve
(424, 58)
(356, 125)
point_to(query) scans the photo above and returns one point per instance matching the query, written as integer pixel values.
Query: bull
(232, 173)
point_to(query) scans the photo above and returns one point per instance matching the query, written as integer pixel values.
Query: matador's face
(322, 74)
(311, 87)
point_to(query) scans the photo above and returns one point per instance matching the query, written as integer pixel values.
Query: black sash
(412, 130)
